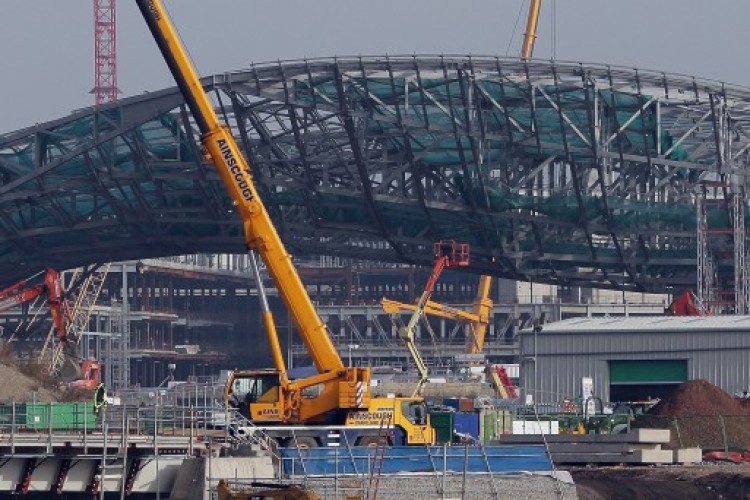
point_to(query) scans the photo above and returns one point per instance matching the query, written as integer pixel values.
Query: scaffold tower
(722, 277)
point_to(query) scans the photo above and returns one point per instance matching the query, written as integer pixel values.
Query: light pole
(352, 347)
(537, 331)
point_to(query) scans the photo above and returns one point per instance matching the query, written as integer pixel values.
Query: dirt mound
(685, 483)
(701, 415)
(699, 398)
(19, 387)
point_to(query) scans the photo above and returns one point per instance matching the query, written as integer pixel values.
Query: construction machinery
(85, 375)
(687, 304)
(51, 289)
(78, 319)
(333, 391)
(478, 321)
(478, 318)
(447, 253)
(500, 380)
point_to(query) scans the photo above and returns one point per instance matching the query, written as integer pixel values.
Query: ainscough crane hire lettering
(234, 167)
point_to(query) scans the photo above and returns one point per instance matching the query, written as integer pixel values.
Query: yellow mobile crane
(335, 395)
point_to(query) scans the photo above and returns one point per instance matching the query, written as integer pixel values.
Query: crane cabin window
(251, 388)
(415, 411)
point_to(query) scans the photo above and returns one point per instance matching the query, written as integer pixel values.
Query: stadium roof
(564, 173)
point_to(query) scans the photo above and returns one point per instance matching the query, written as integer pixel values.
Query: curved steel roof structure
(564, 173)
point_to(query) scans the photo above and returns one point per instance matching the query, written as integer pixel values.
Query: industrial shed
(634, 358)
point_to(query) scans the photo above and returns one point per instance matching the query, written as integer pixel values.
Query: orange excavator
(87, 374)
(23, 291)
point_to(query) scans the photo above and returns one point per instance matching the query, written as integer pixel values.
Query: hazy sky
(47, 45)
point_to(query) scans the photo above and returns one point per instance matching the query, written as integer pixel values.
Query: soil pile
(699, 398)
(701, 415)
(16, 386)
(686, 483)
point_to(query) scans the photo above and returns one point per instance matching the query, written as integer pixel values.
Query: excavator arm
(344, 384)
(52, 288)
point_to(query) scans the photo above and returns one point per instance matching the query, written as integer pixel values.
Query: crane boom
(531, 24)
(236, 173)
(478, 318)
(482, 308)
(268, 394)
(22, 292)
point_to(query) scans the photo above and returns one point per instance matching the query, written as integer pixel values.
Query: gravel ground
(718, 481)
(418, 487)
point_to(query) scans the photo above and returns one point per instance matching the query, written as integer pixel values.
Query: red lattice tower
(105, 51)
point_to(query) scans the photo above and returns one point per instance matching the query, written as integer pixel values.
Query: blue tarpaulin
(360, 460)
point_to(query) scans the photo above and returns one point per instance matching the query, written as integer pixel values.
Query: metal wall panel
(721, 357)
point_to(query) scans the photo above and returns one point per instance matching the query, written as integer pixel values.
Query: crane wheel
(303, 443)
(373, 441)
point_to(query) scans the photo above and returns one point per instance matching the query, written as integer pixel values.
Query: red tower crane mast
(105, 51)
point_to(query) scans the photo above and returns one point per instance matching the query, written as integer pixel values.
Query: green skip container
(59, 416)
(442, 422)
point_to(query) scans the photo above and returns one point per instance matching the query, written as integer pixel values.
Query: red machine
(22, 292)
(91, 374)
(501, 381)
(88, 373)
(686, 304)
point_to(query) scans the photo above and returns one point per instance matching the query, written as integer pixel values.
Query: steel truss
(564, 173)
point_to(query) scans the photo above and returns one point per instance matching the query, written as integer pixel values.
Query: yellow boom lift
(336, 394)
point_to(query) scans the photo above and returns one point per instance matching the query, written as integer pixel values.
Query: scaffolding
(722, 276)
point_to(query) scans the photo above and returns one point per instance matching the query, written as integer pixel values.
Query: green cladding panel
(648, 371)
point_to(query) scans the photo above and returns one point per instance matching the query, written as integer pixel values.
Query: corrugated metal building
(633, 358)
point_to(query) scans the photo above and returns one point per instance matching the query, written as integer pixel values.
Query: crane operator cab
(254, 394)
(415, 412)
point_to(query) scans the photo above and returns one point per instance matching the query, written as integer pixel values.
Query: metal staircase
(241, 431)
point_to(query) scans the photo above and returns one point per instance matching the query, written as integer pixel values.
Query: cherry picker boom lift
(447, 254)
